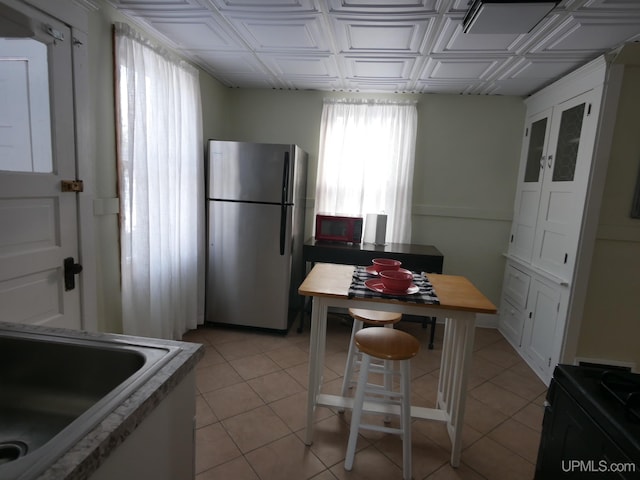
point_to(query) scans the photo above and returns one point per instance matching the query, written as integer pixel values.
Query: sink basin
(54, 389)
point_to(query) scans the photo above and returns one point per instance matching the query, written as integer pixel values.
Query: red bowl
(380, 264)
(395, 280)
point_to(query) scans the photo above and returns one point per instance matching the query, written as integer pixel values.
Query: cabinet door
(541, 321)
(529, 185)
(565, 177)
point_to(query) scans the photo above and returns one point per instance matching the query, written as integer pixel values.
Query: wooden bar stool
(392, 345)
(362, 317)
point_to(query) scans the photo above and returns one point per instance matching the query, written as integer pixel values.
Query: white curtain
(161, 184)
(366, 160)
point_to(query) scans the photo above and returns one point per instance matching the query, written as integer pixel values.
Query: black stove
(591, 426)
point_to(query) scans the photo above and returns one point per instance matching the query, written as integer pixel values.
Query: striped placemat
(358, 289)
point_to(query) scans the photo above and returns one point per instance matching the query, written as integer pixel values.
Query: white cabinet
(559, 146)
(566, 174)
(515, 292)
(162, 446)
(544, 308)
(530, 308)
(554, 170)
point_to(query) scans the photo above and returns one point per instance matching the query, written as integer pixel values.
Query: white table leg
(316, 361)
(444, 381)
(454, 373)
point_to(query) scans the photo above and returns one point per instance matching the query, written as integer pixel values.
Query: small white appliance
(375, 228)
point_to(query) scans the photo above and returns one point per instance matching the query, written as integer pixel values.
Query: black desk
(418, 258)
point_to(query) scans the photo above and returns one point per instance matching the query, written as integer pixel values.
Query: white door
(37, 152)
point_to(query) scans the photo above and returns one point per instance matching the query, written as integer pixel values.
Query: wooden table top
(454, 292)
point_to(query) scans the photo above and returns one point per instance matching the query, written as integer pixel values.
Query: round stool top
(387, 343)
(375, 317)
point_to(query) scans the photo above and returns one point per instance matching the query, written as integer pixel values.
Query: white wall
(611, 321)
(467, 158)
(103, 141)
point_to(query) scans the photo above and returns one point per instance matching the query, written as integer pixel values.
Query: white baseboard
(486, 320)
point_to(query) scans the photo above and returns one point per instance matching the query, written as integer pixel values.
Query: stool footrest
(381, 428)
(374, 388)
(327, 400)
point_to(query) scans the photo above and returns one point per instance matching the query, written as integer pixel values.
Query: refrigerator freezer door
(254, 172)
(248, 281)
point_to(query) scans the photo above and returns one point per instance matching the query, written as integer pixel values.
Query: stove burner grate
(626, 389)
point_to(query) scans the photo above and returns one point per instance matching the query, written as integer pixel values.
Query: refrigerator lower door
(248, 281)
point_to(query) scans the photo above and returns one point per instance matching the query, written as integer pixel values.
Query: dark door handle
(283, 203)
(71, 269)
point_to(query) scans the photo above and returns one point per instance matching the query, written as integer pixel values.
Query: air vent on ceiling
(505, 16)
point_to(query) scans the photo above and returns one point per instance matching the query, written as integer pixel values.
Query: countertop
(82, 459)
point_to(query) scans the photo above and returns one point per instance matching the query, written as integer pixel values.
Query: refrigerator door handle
(283, 202)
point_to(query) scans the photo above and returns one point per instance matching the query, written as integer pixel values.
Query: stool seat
(375, 317)
(391, 346)
(362, 317)
(387, 343)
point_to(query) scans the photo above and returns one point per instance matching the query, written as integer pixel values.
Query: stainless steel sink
(54, 389)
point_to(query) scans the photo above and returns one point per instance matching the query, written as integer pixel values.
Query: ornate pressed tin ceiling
(415, 46)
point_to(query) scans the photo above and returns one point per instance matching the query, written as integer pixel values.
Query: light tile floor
(251, 403)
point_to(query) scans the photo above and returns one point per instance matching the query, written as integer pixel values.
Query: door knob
(71, 269)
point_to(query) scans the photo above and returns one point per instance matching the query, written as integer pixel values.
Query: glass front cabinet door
(529, 185)
(565, 171)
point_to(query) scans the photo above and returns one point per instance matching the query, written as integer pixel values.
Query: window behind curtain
(366, 161)
(160, 173)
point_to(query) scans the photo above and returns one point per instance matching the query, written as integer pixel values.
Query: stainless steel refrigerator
(256, 205)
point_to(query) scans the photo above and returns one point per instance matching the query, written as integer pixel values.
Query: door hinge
(558, 307)
(56, 34)
(72, 186)
(589, 110)
(549, 363)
